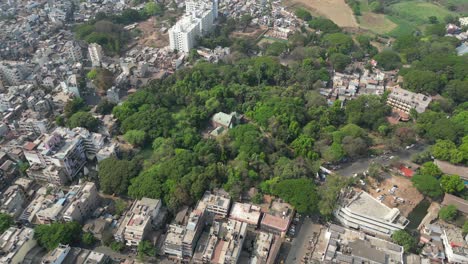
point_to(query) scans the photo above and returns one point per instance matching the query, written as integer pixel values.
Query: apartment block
(224, 242)
(217, 203)
(348, 246)
(64, 254)
(15, 243)
(13, 200)
(95, 54)
(404, 100)
(361, 211)
(82, 204)
(181, 240)
(73, 50)
(456, 246)
(138, 221)
(58, 157)
(197, 21)
(246, 213)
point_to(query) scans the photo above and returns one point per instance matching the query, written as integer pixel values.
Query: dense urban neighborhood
(218, 131)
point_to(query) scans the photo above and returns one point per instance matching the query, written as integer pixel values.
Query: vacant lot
(406, 191)
(151, 35)
(377, 23)
(336, 10)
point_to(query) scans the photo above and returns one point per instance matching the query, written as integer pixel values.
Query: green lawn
(419, 12)
(403, 17)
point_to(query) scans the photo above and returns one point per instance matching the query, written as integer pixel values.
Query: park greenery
(404, 239)
(290, 129)
(50, 236)
(6, 221)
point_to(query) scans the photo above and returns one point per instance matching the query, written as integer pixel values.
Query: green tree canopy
(83, 119)
(5, 222)
(404, 239)
(300, 193)
(135, 137)
(115, 174)
(50, 236)
(388, 60)
(452, 183)
(448, 212)
(427, 185)
(324, 25)
(73, 106)
(303, 14)
(430, 169)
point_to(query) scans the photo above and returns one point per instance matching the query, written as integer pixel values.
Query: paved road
(362, 165)
(300, 243)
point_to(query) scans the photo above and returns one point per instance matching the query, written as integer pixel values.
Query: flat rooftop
(364, 204)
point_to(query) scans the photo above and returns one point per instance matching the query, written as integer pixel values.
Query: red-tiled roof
(407, 171)
(275, 222)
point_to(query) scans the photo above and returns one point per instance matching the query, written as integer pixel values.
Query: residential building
(13, 73)
(217, 203)
(95, 54)
(15, 243)
(456, 247)
(56, 256)
(73, 50)
(138, 221)
(361, 211)
(262, 248)
(181, 240)
(275, 224)
(83, 203)
(404, 100)
(13, 200)
(197, 21)
(247, 213)
(58, 157)
(64, 254)
(348, 246)
(225, 242)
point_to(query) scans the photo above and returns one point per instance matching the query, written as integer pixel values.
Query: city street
(299, 245)
(361, 165)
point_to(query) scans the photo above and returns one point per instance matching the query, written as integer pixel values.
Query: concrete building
(404, 100)
(262, 248)
(64, 254)
(197, 21)
(13, 73)
(73, 50)
(56, 256)
(95, 54)
(225, 242)
(138, 221)
(456, 247)
(84, 201)
(182, 36)
(15, 243)
(181, 240)
(348, 246)
(246, 213)
(217, 203)
(13, 200)
(361, 211)
(58, 157)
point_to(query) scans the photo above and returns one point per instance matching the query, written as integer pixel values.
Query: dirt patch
(409, 195)
(336, 10)
(249, 32)
(151, 34)
(377, 23)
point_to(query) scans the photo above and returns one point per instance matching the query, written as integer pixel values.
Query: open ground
(336, 10)
(151, 34)
(405, 191)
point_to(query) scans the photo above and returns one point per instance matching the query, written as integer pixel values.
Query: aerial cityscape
(233, 131)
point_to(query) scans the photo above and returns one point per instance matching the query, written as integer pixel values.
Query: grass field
(404, 17)
(419, 12)
(336, 10)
